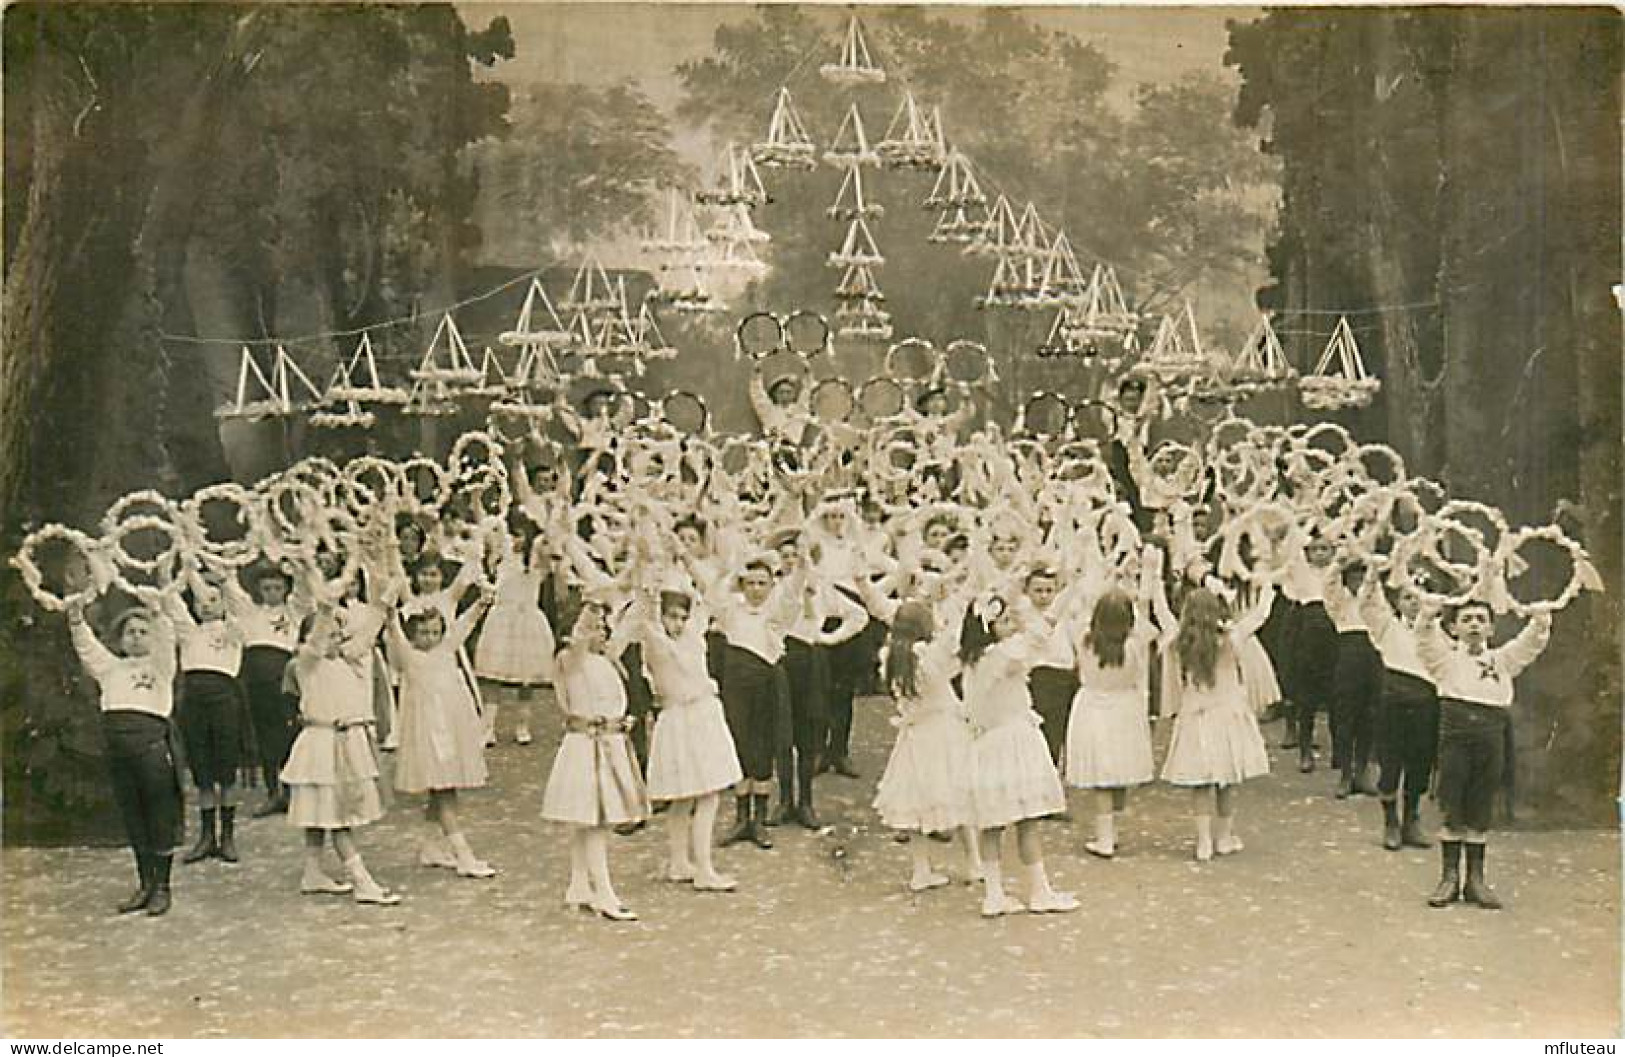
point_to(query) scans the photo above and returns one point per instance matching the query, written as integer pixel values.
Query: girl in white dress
(516, 646)
(1216, 744)
(1108, 737)
(926, 787)
(691, 752)
(332, 772)
(1015, 782)
(442, 741)
(595, 784)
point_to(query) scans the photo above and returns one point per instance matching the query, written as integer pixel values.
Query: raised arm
(97, 659)
(1252, 619)
(1527, 645)
(853, 618)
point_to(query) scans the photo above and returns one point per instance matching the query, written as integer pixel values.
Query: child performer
(1475, 702)
(753, 625)
(137, 698)
(1015, 782)
(516, 647)
(1052, 681)
(1108, 740)
(211, 714)
(1409, 740)
(1313, 664)
(1357, 685)
(442, 741)
(1216, 744)
(808, 652)
(332, 772)
(595, 784)
(691, 753)
(926, 787)
(269, 621)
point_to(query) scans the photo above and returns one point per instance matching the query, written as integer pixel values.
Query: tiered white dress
(332, 771)
(927, 785)
(1108, 738)
(442, 739)
(1216, 740)
(691, 752)
(516, 643)
(595, 779)
(1013, 777)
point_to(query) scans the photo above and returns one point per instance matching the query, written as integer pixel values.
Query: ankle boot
(143, 890)
(758, 832)
(1476, 891)
(159, 903)
(1391, 836)
(228, 834)
(206, 847)
(742, 822)
(1449, 889)
(1411, 834)
(805, 815)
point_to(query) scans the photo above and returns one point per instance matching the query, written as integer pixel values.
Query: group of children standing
(1026, 641)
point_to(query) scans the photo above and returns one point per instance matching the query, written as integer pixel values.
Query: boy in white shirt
(1475, 702)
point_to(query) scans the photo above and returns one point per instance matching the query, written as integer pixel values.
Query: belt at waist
(336, 724)
(599, 726)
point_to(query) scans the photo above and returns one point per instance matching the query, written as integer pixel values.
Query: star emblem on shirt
(1487, 668)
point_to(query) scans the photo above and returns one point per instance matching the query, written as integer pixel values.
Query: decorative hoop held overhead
(881, 399)
(245, 514)
(155, 504)
(685, 412)
(913, 360)
(1045, 414)
(415, 474)
(162, 563)
(759, 334)
(1582, 576)
(26, 563)
(805, 332)
(968, 363)
(832, 401)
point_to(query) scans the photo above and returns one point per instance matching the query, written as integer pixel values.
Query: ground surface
(1314, 930)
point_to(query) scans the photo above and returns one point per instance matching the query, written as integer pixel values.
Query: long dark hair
(1109, 628)
(1201, 632)
(912, 624)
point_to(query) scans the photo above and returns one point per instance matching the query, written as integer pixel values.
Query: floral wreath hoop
(338, 532)
(1454, 509)
(459, 459)
(1582, 576)
(1425, 543)
(379, 494)
(159, 506)
(308, 502)
(122, 559)
(34, 579)
(231, 553)
(1269, 527)
(411, 501)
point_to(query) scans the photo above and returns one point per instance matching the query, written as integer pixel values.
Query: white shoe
(1227, 846)
(1100, 849)
(1204, 851)
(714, 882)
(1052, 902)
(376, 895)
(436, 855)
(679, 874)
(926, 881)
(522, 736)
(472, 867)
(614, 911)
(319, 884)
(998, 906)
